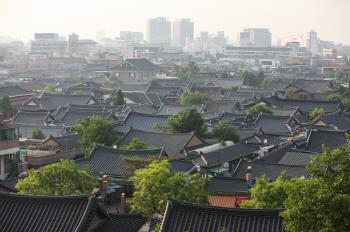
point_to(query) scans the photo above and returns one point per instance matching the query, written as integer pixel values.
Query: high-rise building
(137, 36)
(159, 30)
(221, 34)
(100, 35)
(48, 42)
(182, 28)
(71, 39)
(255, 37)
(311, 42)
(204, 34)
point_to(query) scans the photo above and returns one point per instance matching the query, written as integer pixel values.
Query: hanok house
(12, 159)
(136, 69)
(17, 94)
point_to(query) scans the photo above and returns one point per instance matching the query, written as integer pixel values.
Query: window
(117, 74)
(131, 74)
(140, 74)
(303, 96)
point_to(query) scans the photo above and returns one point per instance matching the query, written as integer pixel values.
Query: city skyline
(283, 18)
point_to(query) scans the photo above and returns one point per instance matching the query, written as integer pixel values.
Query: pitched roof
(276, 155)
(12, 182)
(67, 84)
(225, 183)
(338, 119)
(70, 140)
(14, 91)
(212, 91)
(85, 90)
(247, 132)
(219, 107)
(32, 86)
(48, 213)
(26, 130)
(198, 79)
(271, 170)
(71, 117)
(34, 118)
(285, 111)
(313, 86)
(304, 105)
(69, 60)
(136, 64)
(171, 109)
(141, 108)
(128, 222)
(165, 90)
(107, 159)
(297, 158)
(236, 118)
(181, 166)
(242, 97)
(227, 82)
(173, 143)
(146, 98)
(131, 87)
(181, 216)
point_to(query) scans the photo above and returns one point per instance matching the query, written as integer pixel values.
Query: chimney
(1, 117)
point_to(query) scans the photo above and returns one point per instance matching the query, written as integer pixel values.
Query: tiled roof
(315, 140)
(48, 213)
(271, 170)
(219, 107)
(136, 64)
(26, 130)
(212, 91)
(141, 108)
(85, 90)
(225, 183)
(146, 98)
(106, 159)
(297, 158)
(181, 216)
(13, 91)
(242, 97)
(313, 86)
(285, 111)
(32, 86)
(226, 83)
(260, 140)
(276, 155)
(164, 90)
(247, 132)
(71, 117)
(34, 118)
(93, 67)
(60, 112)
(304, 105)
(198, 79)
(279, 86)
(316, 127)
(128, 222)
(167, 81)
(337, 119)
(67, 84)
(69, 60)
(173, 143)
(171, 109)
(181, 166)
(30, 108)
(140, 121)
(223, 201)
(233, 118)
(132, 87)
(70, 140)
(12, 182)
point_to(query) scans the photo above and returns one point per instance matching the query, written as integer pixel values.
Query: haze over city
(283, 18)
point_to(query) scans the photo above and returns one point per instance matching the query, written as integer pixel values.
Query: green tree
(180, 72)
(257, 109)
(269, 194)
(27, 71)
(340, 74)
(67, 79)
(79, 83)
(341, 89)
(330, 75)
(334, 97)
(277, 79)
(112, 76)
(260, 74)
(5, 105)
(94, 130)
(190, 98)
(116, 97)
(81, 78)
(50, 89)
(61, 179)
(226, 132)
(224, 75)
(249, 77)
(13, 73)
(37, 133)
(291, 70)
(346, 103)
(345, 58)
(154, 184)
(193, 68)
(347, 63)
(136, 144)
(78, 92)
(279, 69)
(266, 82)
(314, 114)
(233, 88)
(322, 202)
(154, 82)
(185, 121)
(98, 75)
(289, 93)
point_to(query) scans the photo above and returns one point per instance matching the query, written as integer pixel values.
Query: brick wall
(297, 95)
(4, 145)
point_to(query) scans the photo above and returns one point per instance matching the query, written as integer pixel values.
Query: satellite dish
(265, 140)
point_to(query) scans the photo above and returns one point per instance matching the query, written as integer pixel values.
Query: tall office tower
(100, 35)
(311, 42)
(159, 30)
(182, 28)
(204, 34)
(221, 34)
(137, 36)
(125, 35)
(71, 39)
(256, 37)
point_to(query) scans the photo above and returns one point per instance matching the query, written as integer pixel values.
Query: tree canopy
(61, 179)
(314, 114)
(154, 184)
(255, 110)
(191, 69)
(37, 133)
(289, 93)
(226, 132)
(340, 74)
(260, 74)
(193, 98)
(233, 88)
(5, 105)
(94, 130)
(330, 75)
(185, 121)
(279, 69)
(322, 202)
(224, 75)
(249, 77)
(117, 98)
(266, 82)
(78, 92)
(50, 89)
(153, 82)
(136, 144)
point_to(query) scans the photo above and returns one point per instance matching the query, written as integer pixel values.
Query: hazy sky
(23, 18)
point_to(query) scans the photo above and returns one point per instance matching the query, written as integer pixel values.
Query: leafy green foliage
(37, 133)
(340, 74)
(136, 144)
(346, 103)
(345, 58)
(330, 75)
(334, 97)
(27, 71)
(61, 179)
(117, 98)
(266, 82)
(233, 88)
(50, 89)
(94, 130)
(279, 69)
(13, 73)
(5, 105)
(224, 75)
(154, 106)
(67, 79)
(322, 202)
(255, 110)
(190, 98)
(112, 76)
(185, 121)
(155, 184)
(226, 132)
(268, 194)
(290, 70)
(260, 74)
(249, 77)
(182, 73)
(154, 82)
(79, 83)
(277, 79)
(78, 92)
(289, 93)
(98, 75)
(314, 114)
